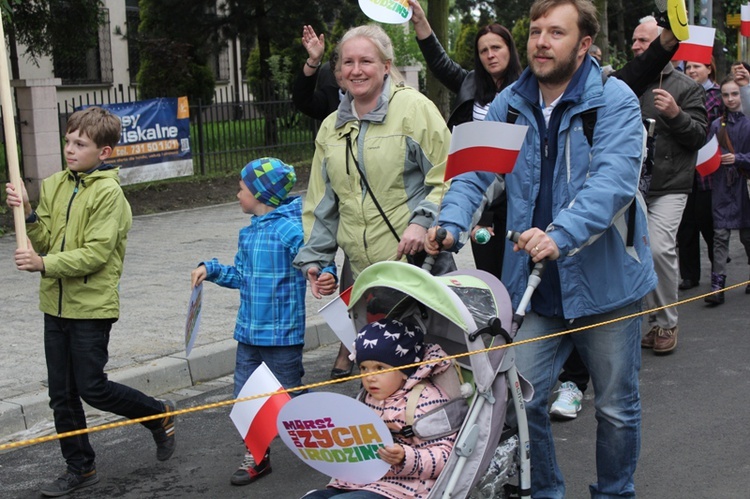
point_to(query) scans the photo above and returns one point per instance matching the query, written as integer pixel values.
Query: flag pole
(11, 145)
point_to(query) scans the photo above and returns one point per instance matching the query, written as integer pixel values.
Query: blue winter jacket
(272, 292)
(592, 188)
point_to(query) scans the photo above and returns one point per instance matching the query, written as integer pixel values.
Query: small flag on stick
(336, 315)
(697, 48)
(489, 146)
(256, 419)
(709, 158)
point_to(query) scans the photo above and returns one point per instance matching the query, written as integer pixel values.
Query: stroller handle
(429, 260)
(534, 279)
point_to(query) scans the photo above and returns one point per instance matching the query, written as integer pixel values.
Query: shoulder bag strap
(350, 152)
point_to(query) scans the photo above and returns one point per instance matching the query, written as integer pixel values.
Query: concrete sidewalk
(147, 345)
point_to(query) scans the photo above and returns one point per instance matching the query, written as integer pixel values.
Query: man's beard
(561, 73)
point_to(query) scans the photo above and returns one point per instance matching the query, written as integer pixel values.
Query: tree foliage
(464, 53)
(520, 34)
(175, 40)
(45, 28)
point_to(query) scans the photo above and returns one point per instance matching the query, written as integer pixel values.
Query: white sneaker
(568, 403)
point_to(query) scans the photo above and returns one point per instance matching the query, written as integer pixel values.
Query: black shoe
(337, 373)
(249, 471)
(688, 284)
(164, 435)
(69, 482)
(747, 289)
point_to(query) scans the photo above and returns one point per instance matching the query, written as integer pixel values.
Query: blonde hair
(96, 123)
(382, 42)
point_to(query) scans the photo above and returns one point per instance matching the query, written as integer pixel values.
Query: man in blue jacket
(570, 199)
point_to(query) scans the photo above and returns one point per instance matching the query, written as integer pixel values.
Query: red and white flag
(745, 20)
(488, 146)
(256, 419)
(709, 158)
(697, 48)
(336, 315)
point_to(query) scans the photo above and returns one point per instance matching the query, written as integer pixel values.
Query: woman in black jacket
(496, 65)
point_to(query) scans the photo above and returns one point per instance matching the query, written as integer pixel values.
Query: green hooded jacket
(81, 232)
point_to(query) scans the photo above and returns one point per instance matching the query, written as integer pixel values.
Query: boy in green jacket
(77, 238)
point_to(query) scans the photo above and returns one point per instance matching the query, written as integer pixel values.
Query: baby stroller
(463, 311)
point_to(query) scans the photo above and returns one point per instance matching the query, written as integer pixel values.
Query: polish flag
(745, 20)
(489, 146)
(709, 158)
(336, 314)
(256, 419)
(698, 47)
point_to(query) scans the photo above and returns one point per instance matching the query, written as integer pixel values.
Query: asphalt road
(696, 438)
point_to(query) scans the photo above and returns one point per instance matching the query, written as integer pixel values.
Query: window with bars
(88, 66)
(220, 64)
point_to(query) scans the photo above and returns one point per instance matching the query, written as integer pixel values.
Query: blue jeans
(284, 362)
(342, 494)
(76, 353)
(612, 354)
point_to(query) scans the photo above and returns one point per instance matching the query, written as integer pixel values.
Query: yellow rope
(109, 426)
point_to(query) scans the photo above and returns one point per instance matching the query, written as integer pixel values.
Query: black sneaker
(69, 482)
(249, 471)
(164, 435)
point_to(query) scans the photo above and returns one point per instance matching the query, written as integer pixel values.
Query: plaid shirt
(714, 109)
(272, 292)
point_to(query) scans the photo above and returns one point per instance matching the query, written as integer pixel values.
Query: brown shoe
(648, 340)
(666, 340)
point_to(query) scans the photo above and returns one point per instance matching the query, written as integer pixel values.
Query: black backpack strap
(513, 115)
(589, 123)
(589, 119)
(630, 239)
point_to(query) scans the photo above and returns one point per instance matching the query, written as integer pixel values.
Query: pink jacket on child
(424, 460)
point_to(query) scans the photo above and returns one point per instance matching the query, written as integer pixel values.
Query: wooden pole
(11, 145)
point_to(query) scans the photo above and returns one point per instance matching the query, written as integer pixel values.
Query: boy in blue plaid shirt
(271, 319)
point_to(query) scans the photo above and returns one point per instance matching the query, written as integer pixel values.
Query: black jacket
(319, 102)
(455, 78)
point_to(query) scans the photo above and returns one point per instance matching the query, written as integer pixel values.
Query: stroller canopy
(451, 307)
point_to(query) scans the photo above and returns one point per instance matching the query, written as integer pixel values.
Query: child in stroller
(464, 312)
(398, 397)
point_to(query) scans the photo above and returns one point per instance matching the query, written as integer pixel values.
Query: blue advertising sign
(155, 140)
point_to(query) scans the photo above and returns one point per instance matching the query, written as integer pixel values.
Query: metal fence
(231, 131)
(237, 128)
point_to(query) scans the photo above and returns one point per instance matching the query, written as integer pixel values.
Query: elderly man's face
(643, 35)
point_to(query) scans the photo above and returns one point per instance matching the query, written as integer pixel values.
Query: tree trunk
(602, 40)
(264, 50)
(620, 35)
(437, 15)
(15, 73)
(720, 20)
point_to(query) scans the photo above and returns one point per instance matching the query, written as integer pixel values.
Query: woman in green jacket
(377, 174)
